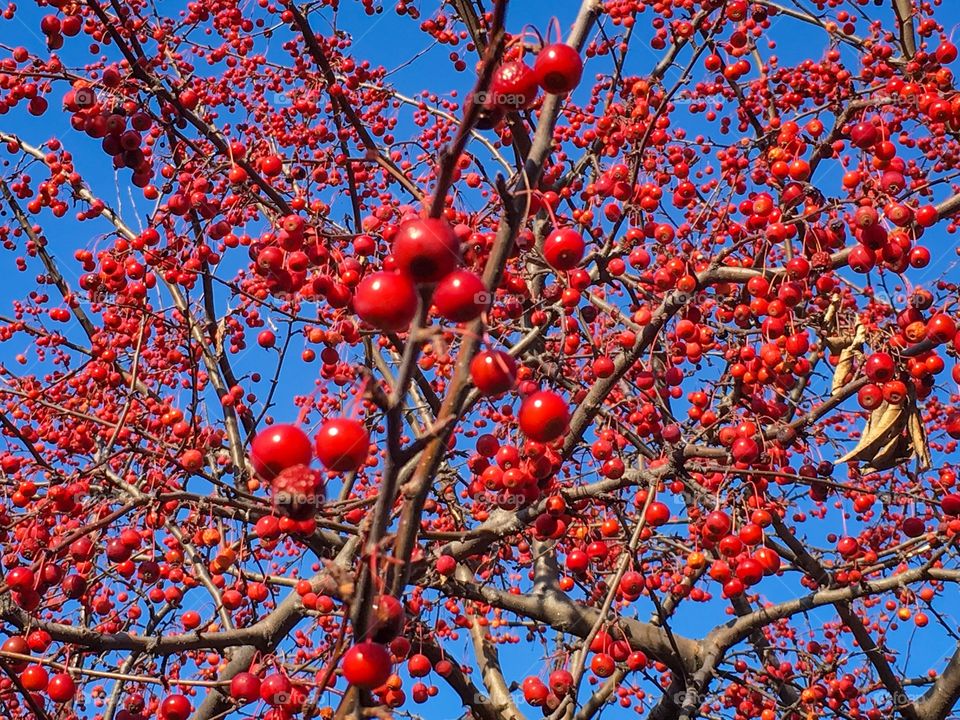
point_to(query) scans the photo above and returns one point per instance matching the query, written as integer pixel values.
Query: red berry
(941, 328)
(602, 665)
(563, 249)
(577, 561)
(367, 665)
(870, 396)
(769, 560)
(20, 578)
(946, 52)
(267, 528)
(297, 491)
(386, 300)
(560, 682)
(951, 504)
(733, 588)
(418, 665)
(637, 660)
(34, 678)
(558, 68)
(749, 571)
(879, 367)
(861, 259)
(175, 707)
(657, 514)
(543, 416)
(279, 447)
(17, 645)
(864, 135)
(446, 565)
(461, 296)
(275, 689)
(514, 86)
(745, 450)
(245, 687)
(534, 691)
(493, 372)
(343, 445)
(62, 688)
(426, 249)
(266, 339)
(717, 524)
(913, 527)
(848, 546)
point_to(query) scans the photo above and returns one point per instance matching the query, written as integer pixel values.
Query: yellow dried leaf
(844, 368)
(918, 438)
(885, 424)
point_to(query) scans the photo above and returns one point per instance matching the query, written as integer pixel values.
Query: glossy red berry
(514, 86)
(367, 665)
(279, 447)
(769, 560)
(34, 678)
(879, 367)
(941, 328)
(602, 665)
(461, 296)
(275, 689)
(657, 514)
(861, 259)
(577, 561)
(62, 688)
(563, 249)
(558, 68)
(749, 571)
(342, 444)
(426, 249)
(870, 396)
(543, 416)
(418, 665)
(534, 691)
(386, 300)
(745, 450)
(493, 372)
(717, 524)
(245, 687)
(561, 681)
(175, 707)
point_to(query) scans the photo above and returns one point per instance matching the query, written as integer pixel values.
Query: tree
(559, 367)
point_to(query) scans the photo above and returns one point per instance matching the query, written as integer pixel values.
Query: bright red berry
(343, 444)
(279, 447)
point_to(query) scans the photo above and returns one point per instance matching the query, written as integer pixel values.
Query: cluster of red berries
(282, 454)
(119, 128)
(515, 85)
(425, 252)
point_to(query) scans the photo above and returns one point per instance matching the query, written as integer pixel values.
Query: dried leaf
(850, 352)
(918, 438)
(896, 451)
(836, 343)
(885, 423)
(844, 368)
(221, 334)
